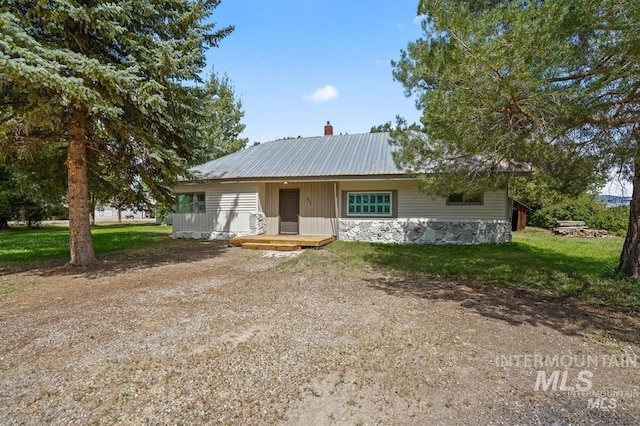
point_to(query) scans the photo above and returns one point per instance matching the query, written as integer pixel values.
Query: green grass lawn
(535, 259)
(32, 245)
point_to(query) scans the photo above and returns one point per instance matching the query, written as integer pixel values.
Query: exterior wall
(412, 204)
(230, 209)
(317, 206)
(424, 219)
(252, 208)
(519, 218)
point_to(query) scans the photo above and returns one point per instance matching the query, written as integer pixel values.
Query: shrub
(31, 210)
(589, 210)
(57, 212)
(614, 219)
(583, 208)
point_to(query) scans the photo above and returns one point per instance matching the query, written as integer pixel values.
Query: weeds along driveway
(228, 336)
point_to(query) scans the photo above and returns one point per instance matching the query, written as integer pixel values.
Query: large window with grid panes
(369, 204)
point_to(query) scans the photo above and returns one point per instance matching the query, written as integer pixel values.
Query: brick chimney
(328, 129)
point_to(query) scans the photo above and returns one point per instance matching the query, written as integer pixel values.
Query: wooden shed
(519, 215)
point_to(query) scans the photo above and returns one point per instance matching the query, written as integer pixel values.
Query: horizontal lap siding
(212, 222)
(218, 200)
(317, 210)
(228, 208)
(412, 204)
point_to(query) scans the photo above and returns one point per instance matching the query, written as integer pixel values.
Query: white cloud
(418, 19)
(322, 94)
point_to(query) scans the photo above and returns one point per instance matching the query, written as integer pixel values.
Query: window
(460, 198)
(191, 203)
(369, 204)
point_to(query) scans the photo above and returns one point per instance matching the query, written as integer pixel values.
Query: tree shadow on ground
(519, 306)
(117, 263)
(497, 262)
(518, 265)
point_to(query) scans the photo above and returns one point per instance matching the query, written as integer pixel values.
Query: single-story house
(347, 186)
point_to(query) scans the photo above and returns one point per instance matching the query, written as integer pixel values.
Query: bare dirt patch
(222, 335)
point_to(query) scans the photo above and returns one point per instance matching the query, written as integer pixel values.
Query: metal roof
(366, 154)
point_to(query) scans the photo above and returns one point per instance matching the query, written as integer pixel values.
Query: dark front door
(289, 211)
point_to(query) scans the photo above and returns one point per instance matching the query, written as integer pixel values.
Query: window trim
(368, 214)
(471, 202)
(202, 205)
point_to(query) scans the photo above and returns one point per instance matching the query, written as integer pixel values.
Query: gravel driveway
(223, 335)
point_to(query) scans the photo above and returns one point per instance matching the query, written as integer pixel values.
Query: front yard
(352, 334)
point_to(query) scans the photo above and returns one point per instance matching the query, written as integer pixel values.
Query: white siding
(229, 207)
(412, 204)
(212, 222)
(240, 200)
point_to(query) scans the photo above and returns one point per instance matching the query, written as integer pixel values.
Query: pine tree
(553, 84)
(113, 79)
(32, 186)
(221, 120)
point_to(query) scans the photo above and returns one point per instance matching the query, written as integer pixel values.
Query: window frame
(195, 206)
(476, 200)
(385, 215)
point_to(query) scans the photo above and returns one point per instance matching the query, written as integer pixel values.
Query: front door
(289, 211)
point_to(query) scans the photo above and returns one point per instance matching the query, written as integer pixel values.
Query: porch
(282, 242)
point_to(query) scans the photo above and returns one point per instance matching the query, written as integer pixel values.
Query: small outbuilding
(519, 216)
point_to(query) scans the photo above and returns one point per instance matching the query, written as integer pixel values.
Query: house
(347, 186)
(108, 213)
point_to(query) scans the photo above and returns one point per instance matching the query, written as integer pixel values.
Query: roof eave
(270, 179)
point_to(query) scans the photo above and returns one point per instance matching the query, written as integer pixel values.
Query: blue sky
(298, 64)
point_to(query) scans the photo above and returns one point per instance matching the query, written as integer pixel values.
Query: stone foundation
(258, 223)
(204, 235)
(424, 231)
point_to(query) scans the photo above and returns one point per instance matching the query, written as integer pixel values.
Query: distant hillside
(615, 200)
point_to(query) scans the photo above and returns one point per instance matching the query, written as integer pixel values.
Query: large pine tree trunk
(80, 243)
(630, 257)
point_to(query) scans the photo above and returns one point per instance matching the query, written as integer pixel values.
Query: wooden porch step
(300, 240)
(271, 246)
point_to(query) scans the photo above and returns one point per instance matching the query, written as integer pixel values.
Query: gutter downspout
(335, 202)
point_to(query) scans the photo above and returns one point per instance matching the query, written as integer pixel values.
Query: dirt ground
(228, 336)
